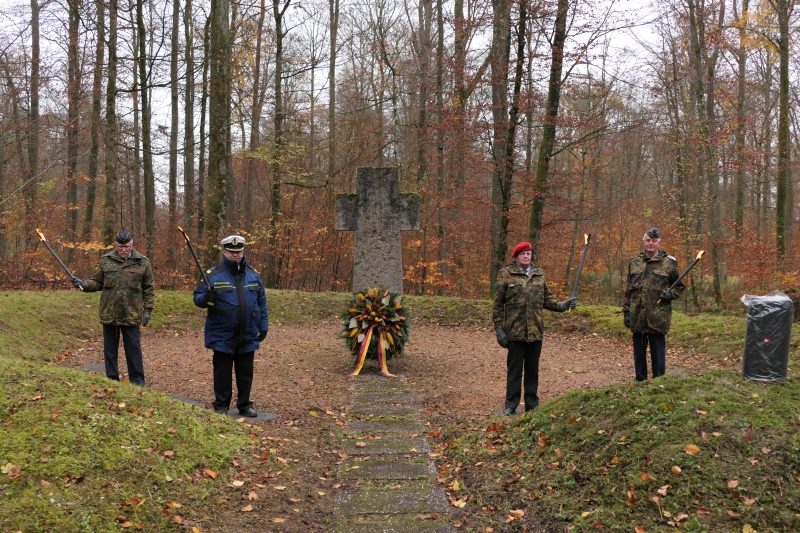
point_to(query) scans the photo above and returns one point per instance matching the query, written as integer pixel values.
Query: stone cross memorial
(377, 212)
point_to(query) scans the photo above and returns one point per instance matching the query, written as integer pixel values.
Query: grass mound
(707, 453)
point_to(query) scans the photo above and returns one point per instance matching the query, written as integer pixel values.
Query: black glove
(502, 339)
(262, 335)
(146, 316)
(211, 296)
(666, 296)
(572, 303)
(627, 320)
(78, 283)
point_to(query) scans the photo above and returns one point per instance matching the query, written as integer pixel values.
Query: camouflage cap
(233, 243)
(653, 233)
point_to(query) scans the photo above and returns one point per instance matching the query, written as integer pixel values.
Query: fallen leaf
(732, 483)
(750, 502)
(312, 413)
(169, 453)
(321, 493)
(127, 524)
(753, 460)
(691, 449)
(717, 434)
(173, 430)
(280, 487)
(121, 518)
(361, 444)
(644, 476)
(702, 511)
(639, 529)
(766, 450)
(173, 505)
(209, 473)
(516, 513)
(586, 513)
(663, 490)
(247, 508)
(681, 516)
(700, 412)
(294, 500)
(279, 520)
(732, 514)
(237, 483)
(252, 496)
(747, 528)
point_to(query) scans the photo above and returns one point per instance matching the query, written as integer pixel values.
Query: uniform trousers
(131, 339)
(242, 364)
(658, 354)
(523, 356)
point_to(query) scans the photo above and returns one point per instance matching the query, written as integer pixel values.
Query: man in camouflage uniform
(647, 306)
(520, 296)
(126, 279)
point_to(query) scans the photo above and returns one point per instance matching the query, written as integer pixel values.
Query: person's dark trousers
(658, 354)
(523, 356)
(224, 363)
(131, 339)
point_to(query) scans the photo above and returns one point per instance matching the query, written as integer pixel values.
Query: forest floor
(289, 477)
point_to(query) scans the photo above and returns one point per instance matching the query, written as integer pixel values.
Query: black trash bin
(767, 338)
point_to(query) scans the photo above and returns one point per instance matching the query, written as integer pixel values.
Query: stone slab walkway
(388, 482)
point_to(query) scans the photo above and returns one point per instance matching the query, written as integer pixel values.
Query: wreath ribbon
(362, 355)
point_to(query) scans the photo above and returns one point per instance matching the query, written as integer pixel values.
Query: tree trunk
(32, 168)
(501, 197)
(549, 127)
(97, 94)
(110, 195)
(173, 134)
(334, 22)
(136, 198)
(188, 114)
(425, 14)
(201, 166)
(219, 157)
(783, 199)
(255, 120)
(278, 144)
(147, 146)
(440, 180)
(741, 116)
(73, 126)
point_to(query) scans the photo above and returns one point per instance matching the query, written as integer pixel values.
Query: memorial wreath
(375, 326)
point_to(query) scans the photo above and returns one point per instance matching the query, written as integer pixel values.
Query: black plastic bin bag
(767, 338)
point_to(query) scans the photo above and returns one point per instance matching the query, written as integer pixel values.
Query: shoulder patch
(672, 258)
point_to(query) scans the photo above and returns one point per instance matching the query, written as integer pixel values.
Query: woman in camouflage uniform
(126, 279)
(647, 306)
(520, 296)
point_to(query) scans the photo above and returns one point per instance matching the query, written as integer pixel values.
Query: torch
(586, 237)
(60, 262)
(196, 260)
(690, 267)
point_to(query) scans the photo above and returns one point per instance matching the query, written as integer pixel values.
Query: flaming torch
(689, 268)
(60, 262)
(196, 260)
(586, 237)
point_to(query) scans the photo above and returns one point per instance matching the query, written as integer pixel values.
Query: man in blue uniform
(236, 323)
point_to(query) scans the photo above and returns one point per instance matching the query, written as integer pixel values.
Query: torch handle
(688, 269)
(60, 262)
(580, 270)
(196, 260)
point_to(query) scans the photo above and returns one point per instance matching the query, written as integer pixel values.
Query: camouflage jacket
(647, 278)
(127, 286)
(519, 300)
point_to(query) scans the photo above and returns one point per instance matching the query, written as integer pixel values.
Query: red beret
(521, 247)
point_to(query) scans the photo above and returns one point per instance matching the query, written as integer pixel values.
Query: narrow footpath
(388, 482)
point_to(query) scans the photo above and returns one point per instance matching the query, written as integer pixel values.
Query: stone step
(384, 385)
(394, 524)
(363, 410)
(363, 398)
(402, 426)
(387, 469)
(367, 500)
(389, 445)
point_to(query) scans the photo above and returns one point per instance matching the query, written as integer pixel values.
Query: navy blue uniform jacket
(240, 311)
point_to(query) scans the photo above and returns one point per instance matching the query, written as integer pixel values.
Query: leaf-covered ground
(288, 480)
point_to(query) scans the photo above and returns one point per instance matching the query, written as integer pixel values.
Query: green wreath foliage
(383, 309)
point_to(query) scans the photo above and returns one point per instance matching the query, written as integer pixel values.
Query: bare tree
(110, 195)
(97, 94)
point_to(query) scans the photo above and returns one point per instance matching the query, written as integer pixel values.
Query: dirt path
(456, 374)
(301, 368)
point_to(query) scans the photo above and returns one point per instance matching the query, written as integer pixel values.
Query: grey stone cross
(377, 212)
